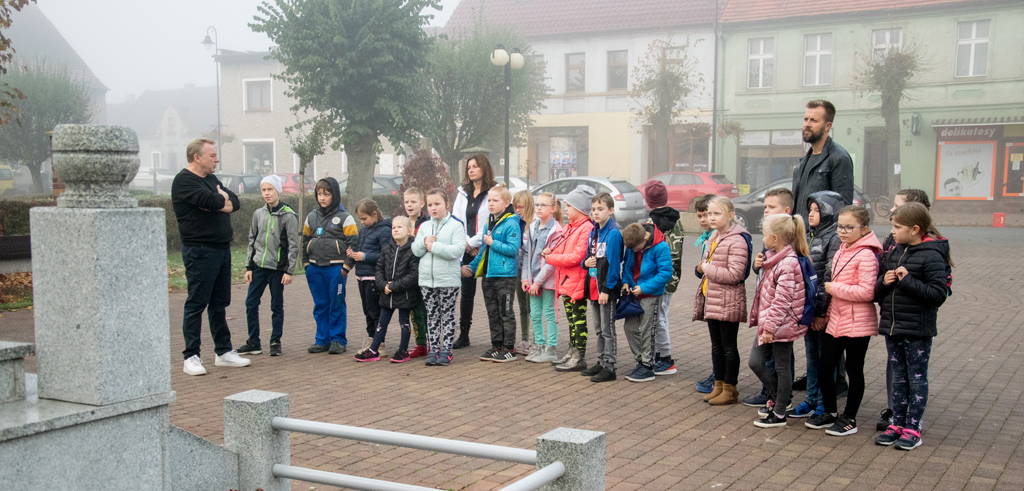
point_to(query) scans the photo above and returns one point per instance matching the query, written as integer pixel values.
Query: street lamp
(513, 61)
(212, 43)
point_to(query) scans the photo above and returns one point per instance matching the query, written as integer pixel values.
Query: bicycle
(882, 206)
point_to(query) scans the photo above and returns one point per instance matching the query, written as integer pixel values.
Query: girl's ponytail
(790, 229)
(800, 241)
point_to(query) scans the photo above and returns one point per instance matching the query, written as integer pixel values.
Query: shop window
(759, 166)
(618, 70)
(972, 48)
(885, 40)
(817, 59)
(575, 72)
(257, 95)
(760, 63)
(557, 152)
(688, 148)
(259, 157)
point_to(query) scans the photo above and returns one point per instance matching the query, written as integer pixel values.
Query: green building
(962, 126)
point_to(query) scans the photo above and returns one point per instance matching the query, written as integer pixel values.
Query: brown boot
(719, 387)
(729, 395)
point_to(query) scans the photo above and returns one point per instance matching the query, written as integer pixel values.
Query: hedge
(14, 213)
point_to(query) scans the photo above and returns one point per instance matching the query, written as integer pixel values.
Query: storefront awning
(938, 123)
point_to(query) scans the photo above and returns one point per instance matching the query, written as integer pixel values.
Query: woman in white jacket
(471, 208)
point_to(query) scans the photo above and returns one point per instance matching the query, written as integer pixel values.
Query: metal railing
(531, 482)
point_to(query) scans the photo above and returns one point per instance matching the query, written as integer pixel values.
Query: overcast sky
(135, 45)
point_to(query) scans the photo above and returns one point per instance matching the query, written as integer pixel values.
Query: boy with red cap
(666, 219)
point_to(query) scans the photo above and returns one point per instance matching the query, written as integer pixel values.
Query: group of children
(819, 283)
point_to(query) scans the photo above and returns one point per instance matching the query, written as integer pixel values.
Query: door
(876, 162)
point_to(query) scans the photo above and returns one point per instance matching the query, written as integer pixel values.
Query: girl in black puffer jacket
(911, 286)
(397, 280)
(375, 234)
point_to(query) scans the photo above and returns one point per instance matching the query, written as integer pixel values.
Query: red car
(685, 187)
(290, 183)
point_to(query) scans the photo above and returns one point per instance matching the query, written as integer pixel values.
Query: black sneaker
(491, 355)
(275, 348)
(891, 435)
(843, 426)
(770, 421)
(250, 349)
(884, 421)
(592, 370)
(505, 355)
(317, 348)
(800, 383)
(909, 440)
(336, 348)
(766, 409)
(820, 421)
(605, 375)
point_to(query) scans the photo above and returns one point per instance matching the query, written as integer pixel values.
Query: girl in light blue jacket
(440, 244)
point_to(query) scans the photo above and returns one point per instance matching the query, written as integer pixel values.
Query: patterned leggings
(908, 361)
(576, 314)
(440, 316)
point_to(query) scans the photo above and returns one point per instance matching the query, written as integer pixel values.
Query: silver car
(629, 203)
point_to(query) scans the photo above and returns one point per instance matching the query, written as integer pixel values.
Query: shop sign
(975, 133)
(787, 137)
(755, 138)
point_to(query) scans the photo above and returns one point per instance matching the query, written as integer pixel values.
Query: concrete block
(582, 453)
(100, 292)
(12, 370)
(198, 464)
(247, 432)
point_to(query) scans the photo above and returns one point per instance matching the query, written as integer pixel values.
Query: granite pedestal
(582, 453)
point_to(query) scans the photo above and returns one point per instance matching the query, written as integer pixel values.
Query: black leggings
(468, 297)
(725, 355)
(371, 304)
(831, 350)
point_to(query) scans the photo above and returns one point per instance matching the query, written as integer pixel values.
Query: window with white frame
(760, 63)
(885, 40)
(817, 59)
(257, 95)
(618, 70)
(972, 48)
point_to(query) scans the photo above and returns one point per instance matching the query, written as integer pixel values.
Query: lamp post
(212, 43)
(513, 61)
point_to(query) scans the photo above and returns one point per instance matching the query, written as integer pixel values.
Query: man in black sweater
(203, 208)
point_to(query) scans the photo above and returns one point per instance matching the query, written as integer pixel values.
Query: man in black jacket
(203, 209)
(827, 166)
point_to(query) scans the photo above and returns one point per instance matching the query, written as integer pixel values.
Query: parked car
(379, 188)
(518, 184)
(685, 187)
(750, 207)
(290, 183)
(241, 183)
(392, 182)
(629, 203)
(144, 179)
(6, 181)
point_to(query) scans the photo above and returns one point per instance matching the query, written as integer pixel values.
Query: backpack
(810, 277)
(750, 253)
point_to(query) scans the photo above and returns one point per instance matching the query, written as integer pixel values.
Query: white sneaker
(231, 359)
(194, 366)
(546, 354)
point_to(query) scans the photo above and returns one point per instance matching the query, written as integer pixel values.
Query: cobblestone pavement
(660, 435)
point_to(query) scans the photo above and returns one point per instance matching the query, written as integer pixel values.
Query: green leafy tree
(662, 81)
(52, 96)
(464, 103)
(355, 63)
(8, 94)
(308, 139)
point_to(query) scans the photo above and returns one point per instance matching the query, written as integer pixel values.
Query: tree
(52, 96)
(356, 64)
(662, 81)
(307, 144)
(8, 94)
(464, 93)
(426, 172)
(890, 73)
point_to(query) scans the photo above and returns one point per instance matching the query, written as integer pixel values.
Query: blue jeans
(382, 328)
(261, 279)
(327, 286)
(208, 272)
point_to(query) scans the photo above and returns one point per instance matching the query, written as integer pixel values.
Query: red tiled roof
(738, 11)
(557, 17)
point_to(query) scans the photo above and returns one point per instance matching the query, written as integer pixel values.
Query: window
(618, 70)
(972, 48)
(154, 160)
(257, 95)
(885, 40)
(817, 59)
(575, 76)
(760, 63)
(259, 157)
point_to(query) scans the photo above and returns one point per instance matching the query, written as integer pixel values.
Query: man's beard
(813, 137)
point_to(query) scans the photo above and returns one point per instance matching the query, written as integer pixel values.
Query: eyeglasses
(540, 205)
(845, 229)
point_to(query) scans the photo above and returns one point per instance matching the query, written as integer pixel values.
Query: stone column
(99, 268)
(247, 432)
(582, 454)
(12, 370)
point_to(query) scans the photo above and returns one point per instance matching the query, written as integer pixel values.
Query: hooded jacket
(651, 268)
(851, 313)
(727, 297)
(667, 220)
(605, 244)
(535, 266)
(567, 256)
(833, 172)
(910, 306)
(459, 211)
(441, 266)
(779, 297)
(273, 239)
(329, 232)
(372, 241)
(501, 258)
(400, 267)
(824, 243)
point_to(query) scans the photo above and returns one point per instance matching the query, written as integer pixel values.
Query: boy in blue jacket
(647, 269)
(498, 264)
(604, 272)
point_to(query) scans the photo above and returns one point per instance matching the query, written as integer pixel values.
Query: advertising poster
(966, 170)
(563, 157)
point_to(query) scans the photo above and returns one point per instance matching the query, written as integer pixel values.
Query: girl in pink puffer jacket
(852, 318)
(776, 310)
